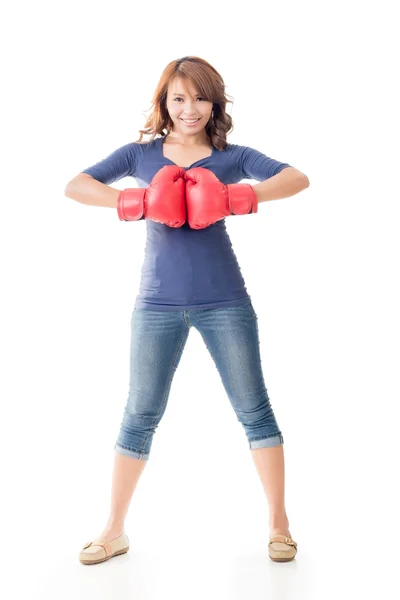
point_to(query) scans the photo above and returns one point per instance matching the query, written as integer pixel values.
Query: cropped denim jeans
(157, 343)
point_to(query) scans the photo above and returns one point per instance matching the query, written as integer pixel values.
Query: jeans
(157, 342)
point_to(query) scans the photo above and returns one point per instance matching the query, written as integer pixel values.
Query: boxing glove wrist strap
(242, 199)
(130, 204)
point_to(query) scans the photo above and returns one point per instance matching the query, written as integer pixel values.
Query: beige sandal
(282, 548)
(98, 551)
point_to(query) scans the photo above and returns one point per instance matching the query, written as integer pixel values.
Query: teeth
(190, 121)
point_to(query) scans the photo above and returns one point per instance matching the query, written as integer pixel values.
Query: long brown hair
(210, 85)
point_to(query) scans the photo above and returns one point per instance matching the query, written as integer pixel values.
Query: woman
(188, 178)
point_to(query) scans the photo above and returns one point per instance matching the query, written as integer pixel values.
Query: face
(189, 112)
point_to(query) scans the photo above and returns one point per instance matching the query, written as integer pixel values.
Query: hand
(163, 201)
(208, 200)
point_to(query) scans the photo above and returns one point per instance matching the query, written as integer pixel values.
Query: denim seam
(265, 437)
(167, 387)
(131, 449)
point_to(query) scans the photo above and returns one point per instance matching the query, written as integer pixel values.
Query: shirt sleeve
(258, 166)
(120, 163)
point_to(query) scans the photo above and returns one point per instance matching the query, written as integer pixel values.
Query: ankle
(278, 521)
(114, 525)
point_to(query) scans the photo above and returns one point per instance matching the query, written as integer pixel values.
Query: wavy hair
(209, 84)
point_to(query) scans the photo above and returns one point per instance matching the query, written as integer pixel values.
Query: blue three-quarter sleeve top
(187, 268)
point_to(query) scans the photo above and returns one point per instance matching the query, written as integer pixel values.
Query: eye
(175, 99)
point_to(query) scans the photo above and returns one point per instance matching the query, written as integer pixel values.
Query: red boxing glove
(163, 201)
(209, 200)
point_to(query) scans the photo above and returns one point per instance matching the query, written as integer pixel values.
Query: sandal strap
(102, 544)
(284, 539)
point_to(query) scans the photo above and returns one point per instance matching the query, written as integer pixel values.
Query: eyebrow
(183, 94)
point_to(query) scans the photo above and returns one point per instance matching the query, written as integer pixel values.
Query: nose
(189, 109)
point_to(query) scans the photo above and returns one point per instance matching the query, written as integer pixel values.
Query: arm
(87, 190)
(91, 186)
(162, 201)
(287, 183)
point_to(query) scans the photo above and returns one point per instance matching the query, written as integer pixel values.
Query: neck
(191, 140)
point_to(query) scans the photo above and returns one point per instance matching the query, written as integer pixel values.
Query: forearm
(287, 183)
(87, 190)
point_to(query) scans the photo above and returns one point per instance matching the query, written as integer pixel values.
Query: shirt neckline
(161, 142)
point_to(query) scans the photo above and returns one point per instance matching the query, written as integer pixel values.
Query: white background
(314, 85)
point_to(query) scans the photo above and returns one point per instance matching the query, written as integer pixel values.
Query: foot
(279, 527)
(279, 531)
(109, 533)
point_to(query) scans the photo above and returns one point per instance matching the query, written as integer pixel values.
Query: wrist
(130, 204)
(242, 199)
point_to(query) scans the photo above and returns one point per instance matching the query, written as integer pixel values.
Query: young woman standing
(189, 182)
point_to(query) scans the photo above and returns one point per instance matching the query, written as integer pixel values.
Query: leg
(270, 464)
(231, 336)
(126, 474)
(157, 343)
